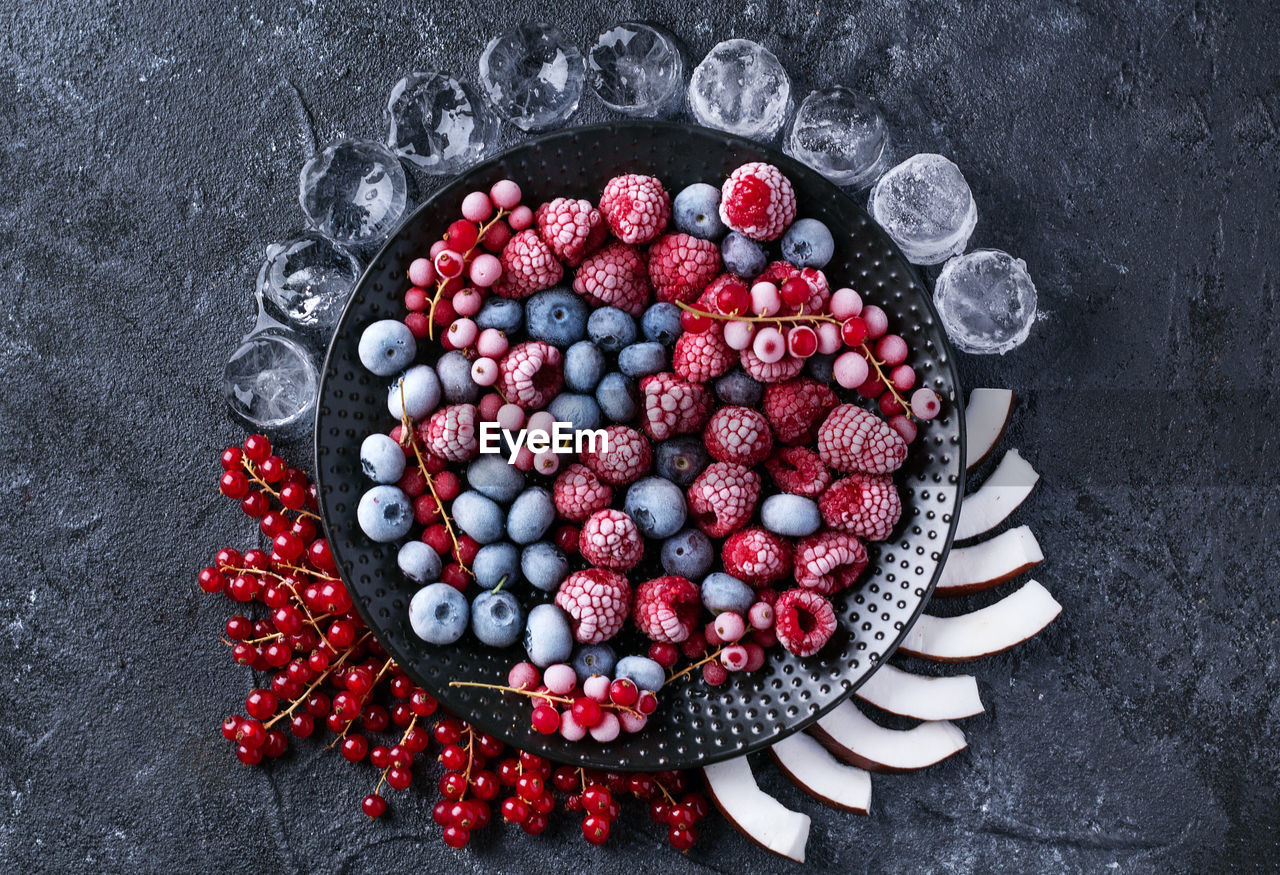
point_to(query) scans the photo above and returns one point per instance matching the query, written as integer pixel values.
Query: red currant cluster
(772, 321)
(326, 667)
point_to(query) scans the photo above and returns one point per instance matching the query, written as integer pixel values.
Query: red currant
(694, 323)
(595, 829)
(212, 580)
(399, 779)
(733, 298)
(455, 837)
(546, 720)
(257, 447)
(587, 712)
(795, 292)
(233, 484)
(853, 331)
(514, 810)
(260, 704)
(354, 748)
(374, 805)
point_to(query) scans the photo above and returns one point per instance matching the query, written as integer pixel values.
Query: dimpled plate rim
(696, 725)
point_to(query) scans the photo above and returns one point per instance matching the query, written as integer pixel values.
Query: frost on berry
(451, 433)
(530, 374)
(610, 539)
(572, 228)
(703, 356)
(829, 562)
(615, 277)
(673, 406)
(798, 470)
(866, 505)
(804, 621)
(681, 266)
(723, 498)
(769, 372)
(626, 460)
(738, 434)
(756, 556)
(636, 207)
(852, 439)
(578, 493)
(597, 601)
(797, 407)
(667, 609)
(528, 266)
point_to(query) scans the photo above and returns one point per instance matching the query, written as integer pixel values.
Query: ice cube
(840, 134)
(926, 207)
(438, 123)
(637, 69)
(270, 382)
(533, 76)
(741, 88)
(308, 280)
(986, 300)
(354, 192)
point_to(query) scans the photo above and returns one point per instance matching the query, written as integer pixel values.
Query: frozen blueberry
(381, 459)
(479, 517)
(808, 243)
(580, 411)
(454, 369)
(557, 316)
(724, 592)
(656, 506)
(492, 477)
(610, 328)
(416, 392)
(531, 514)
(592, 659)
(387, 347)
(385, 514)
(438, 614)
(821, 367)
(583, 366)
(544, 565)
(739, 390)
(642, 359)
(661, 323)
(503, 314)
(618, 398)
(742, 256)
(791, 515)
(548, 637)
(688, 554)
(496, 618)
(681, 459)
(646, 672)
(696, 211)
(418, 562)
(497, 564)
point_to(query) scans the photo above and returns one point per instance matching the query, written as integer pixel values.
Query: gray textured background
(1131, 156)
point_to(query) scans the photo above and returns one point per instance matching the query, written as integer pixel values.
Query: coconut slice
(753, 812)
(1007, 487)
(992, 629)
(985, 420)
(808, 764)
(990, 563)
(856, 739)
(924, 698)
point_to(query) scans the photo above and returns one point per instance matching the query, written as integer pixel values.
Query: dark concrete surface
(1129, 153)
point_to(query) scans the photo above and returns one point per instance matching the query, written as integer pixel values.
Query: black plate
(695, 724)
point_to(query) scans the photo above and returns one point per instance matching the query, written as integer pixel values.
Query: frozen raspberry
(627, 459)
(572, 228)
(636, 207)
(528, 266)
(530, 374)
(609, 539)
(866, 505)
(723, 498)
(853, 439)
(451, 433)
(758, 201)
(667, 609)
(829, 562)
(798, 470)
(703, 356)
(681, 266)
(796, 407)
(615, 277)
(803, 620)
(738, 434)
(673, 406)
(578, 493)
(597, 601)
(783, 369)
(757, 557)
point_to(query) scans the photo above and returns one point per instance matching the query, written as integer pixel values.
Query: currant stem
(801, 318)
(714, 655)
(877, 364)
(407, 433)
(266, 487)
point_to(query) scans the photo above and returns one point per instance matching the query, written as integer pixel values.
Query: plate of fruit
(638, 445)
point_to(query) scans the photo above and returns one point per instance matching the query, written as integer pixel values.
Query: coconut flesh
(995, 628)
(754, 813)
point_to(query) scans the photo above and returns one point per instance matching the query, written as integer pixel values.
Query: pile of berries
(734, 491)
(327, 672)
